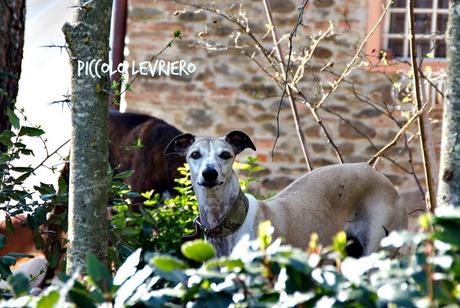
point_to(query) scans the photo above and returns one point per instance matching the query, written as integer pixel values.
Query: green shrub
(264, 273)
(15, 197)
(160, 223)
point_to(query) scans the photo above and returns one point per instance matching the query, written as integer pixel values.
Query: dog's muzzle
(210, 178)
(210, 184)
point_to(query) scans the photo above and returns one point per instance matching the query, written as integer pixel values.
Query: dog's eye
(195, 155)
(225, 155)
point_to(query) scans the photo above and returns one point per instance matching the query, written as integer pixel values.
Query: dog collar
(230, 223)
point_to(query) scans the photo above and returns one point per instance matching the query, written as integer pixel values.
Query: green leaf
(198, 250)
(22, 169)
(178, 34)
(128, 268)
(339, 242)
(81, 298)
(167, 263)
(20, 284)
(19, 255)
(5, 137)
(5, 271)
(231, 264)
(265, 231)
(8, 260)
(30, 131)
(98, 273)
(14, 120)
(146, 215)
(2, 241)
(124, 174)
(48, 300)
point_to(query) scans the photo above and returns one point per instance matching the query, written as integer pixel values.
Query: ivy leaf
(198, 250)
(124, 174)
(48, 300)
(178, 34)
(167, 263)
(20, 284)
(31, 131)
(99, 273)
(14, 120)
(5, 137)
(128, 268)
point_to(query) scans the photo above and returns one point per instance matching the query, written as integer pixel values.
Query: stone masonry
(229, 91)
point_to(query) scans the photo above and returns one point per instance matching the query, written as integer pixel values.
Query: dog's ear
(180, 144)
(239, 141)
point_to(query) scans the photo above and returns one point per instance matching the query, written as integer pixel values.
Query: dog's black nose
(209, 174)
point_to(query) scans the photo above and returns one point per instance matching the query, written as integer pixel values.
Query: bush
(16, 199)
(266, 273)
(159, 224)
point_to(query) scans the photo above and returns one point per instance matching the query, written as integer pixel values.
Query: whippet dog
(351, 197)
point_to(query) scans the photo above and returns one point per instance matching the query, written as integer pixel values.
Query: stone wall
(229, 91)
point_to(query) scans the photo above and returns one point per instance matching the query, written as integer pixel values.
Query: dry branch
(424, 140)
(397, 136)
(288, 89)
(353, 60)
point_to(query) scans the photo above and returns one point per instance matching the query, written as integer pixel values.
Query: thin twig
(244, 28)
(319, 121)
(403, 129)
(353, 60)
(288, 89)
(428, 167)
(49, 155)
(288, 65)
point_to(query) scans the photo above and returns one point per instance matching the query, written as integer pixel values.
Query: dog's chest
(225, 245)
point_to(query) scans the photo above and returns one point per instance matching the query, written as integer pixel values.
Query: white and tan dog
(351, 197)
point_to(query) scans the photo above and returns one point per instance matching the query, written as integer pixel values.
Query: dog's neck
(215, 202)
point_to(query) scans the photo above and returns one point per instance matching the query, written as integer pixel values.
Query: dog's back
(351, 197)
(137, 142)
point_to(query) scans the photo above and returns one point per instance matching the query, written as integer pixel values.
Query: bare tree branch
(288, 89)
(424, 140)
(348, 69)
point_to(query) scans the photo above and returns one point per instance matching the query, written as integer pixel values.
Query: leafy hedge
(264, 273)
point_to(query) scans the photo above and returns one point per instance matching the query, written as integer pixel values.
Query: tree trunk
(88, 39)
(12, 17)
(449, 175)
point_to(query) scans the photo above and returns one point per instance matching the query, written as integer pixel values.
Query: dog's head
(210, 159)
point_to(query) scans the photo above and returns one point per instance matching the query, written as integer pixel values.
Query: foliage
(159, 223)
(249, 167)
(17, 200)
(264, 274)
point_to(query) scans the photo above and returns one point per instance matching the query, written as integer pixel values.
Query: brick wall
(229, 91)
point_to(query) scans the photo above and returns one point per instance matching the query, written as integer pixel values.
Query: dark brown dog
(137, 142)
